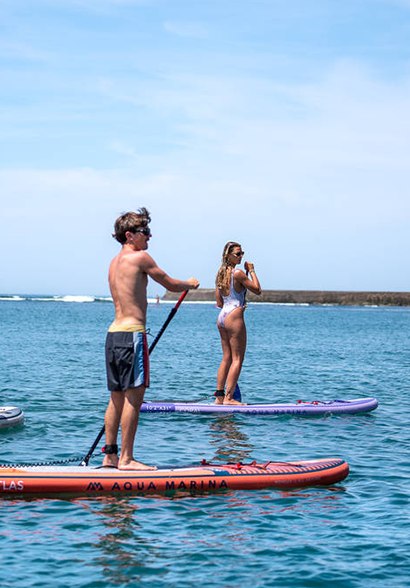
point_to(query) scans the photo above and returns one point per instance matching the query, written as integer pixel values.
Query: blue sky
(283, 125)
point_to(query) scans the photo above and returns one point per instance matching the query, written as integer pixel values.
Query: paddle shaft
(152, 346)
(169, 319)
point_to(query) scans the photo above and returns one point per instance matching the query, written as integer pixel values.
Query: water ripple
(352, 535)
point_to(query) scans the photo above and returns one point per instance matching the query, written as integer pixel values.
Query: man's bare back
(128, 278)
(128, 284)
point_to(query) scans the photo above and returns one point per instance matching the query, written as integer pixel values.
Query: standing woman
(231, 285)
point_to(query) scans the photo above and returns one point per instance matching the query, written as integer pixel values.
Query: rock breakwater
(314, 297)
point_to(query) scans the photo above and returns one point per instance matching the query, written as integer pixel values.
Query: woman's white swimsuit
(231, 302)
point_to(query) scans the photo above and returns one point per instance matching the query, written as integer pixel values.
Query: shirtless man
(126, 349)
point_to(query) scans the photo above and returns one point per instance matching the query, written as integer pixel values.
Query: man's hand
(193, 283)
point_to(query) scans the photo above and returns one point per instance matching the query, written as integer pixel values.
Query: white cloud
(348, 121)
(22, 51)
(313, 178)
(122, 148)
(186, 29)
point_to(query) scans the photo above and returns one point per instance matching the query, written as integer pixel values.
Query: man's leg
(112, 422)
(129, 423)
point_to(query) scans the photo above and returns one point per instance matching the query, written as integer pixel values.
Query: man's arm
(164, 279)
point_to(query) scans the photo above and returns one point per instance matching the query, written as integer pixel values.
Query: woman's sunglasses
(239, 253)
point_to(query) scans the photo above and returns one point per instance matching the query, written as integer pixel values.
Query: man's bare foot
(135, 466)
(219, 400)
(110, 461)
(232, 401)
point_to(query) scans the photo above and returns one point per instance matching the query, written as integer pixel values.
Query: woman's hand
(253, 283)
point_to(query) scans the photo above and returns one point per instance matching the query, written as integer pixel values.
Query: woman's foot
(219, 396)
(232, 401)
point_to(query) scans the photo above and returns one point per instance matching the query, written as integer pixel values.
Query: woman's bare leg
(225, 363)
(236, 330)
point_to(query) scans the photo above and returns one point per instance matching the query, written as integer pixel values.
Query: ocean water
(352, 535)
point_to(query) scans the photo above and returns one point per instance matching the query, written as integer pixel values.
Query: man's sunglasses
(144, 230)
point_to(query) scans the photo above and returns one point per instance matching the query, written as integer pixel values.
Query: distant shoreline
(207, 296)
(313, 297)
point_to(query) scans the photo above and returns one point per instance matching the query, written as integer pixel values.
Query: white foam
(69, 298)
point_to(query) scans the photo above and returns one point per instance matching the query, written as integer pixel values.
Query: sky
(281, 124)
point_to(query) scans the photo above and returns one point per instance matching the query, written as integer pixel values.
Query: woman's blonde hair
(224, 273)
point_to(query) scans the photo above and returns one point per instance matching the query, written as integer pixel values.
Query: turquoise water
(354, 534)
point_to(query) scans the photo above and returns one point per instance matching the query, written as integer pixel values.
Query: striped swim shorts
(127, 358)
